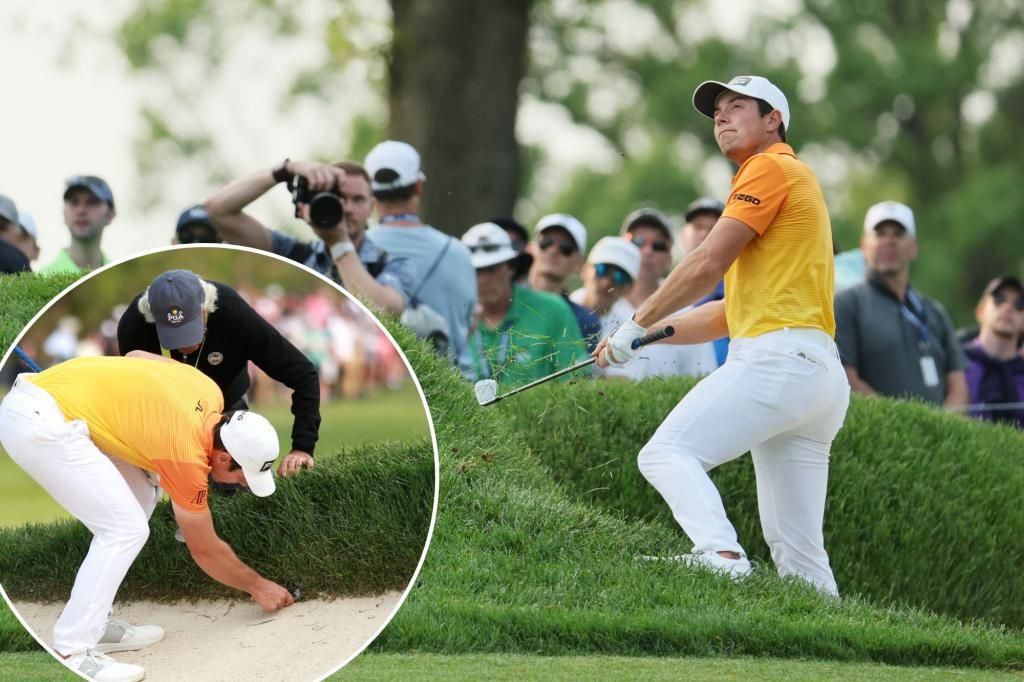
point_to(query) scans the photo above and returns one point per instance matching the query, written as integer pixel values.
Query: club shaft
(538, 382)
(663, 333)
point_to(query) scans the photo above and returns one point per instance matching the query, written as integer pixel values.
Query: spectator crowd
(514, 303)
(353, 357)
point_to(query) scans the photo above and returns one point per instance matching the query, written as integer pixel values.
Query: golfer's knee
(135, 532)
(655, 456)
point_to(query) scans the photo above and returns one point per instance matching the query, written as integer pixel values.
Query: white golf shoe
(737, 569)
(122, 636)
(102, 668)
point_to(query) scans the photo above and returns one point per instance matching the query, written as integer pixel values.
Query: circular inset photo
(216, 464)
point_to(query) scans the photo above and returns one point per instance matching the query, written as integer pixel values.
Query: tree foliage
(910, 100)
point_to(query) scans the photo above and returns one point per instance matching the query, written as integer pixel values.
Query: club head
(486, 391)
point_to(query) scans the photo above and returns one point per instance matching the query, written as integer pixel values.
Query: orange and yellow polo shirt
(785, 277)
(156, 415)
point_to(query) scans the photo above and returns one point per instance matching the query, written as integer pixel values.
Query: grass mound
(23, 296)
(517, 565)
(354, 525)
(923, 507)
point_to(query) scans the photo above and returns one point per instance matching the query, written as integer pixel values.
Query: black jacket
(236, 334)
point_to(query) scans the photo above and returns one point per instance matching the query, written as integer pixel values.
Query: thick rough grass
(354, 525)
(923, 507)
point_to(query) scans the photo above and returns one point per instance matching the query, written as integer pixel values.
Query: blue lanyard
(917, 315)
(400, 218)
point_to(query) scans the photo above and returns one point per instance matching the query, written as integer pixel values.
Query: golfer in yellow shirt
(103, 435)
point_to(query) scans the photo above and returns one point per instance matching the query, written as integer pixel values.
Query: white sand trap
(224, 641)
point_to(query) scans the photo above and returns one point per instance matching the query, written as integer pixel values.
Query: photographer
(342, 250)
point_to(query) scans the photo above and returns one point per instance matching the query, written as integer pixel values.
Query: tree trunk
(453, 94)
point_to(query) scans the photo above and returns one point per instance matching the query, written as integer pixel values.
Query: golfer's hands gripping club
(271, 596)
(618, 349)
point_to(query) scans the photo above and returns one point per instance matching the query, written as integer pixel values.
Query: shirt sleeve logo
(746, 197)
(199, 497)
(175, 315)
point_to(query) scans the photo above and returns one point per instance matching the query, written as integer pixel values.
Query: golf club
(29, 362)
(487, 389)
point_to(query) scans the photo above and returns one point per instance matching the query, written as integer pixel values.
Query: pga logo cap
(756, 87)
(252, 442)
(176, 300)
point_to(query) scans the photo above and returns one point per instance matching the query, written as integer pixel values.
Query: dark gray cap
(96, 186)
(176, 301)
(647, 216)
(703, 205)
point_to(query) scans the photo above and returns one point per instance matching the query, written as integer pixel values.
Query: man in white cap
(773, 245)
(85, 431)
(559, 242)
(443, 282)
(522, 334)
(894, 340)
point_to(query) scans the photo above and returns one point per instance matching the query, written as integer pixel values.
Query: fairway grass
(389, 667)
(41, 667)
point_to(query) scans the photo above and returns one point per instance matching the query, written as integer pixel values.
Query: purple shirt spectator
(991, 381)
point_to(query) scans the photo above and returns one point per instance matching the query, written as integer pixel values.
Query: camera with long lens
(325, 209)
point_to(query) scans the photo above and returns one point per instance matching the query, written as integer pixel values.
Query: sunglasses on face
(617, 274)
(566, 248)
(659, 245)
(1000, 298)
(485, 248)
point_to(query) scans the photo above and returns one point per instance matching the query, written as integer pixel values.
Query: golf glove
(620, 344)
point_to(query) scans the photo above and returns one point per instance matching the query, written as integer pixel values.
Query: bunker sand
(222, 641)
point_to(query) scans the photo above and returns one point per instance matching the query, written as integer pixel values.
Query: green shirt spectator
(522, 334)
(65, 263)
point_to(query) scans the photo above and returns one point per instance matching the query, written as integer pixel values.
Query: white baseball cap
(488, 245)
(396, 163)
(616, 251)
(252, 442)
(757, 87)
(568, 223)
(890, 211)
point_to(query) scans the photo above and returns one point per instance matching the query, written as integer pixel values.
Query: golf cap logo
(175, 315)
(215, 358)
(267, 465)
(740, 80)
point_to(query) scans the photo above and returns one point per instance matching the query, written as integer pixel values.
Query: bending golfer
(102, 435)
(782, 394)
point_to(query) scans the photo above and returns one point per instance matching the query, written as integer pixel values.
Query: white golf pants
(782, 396)
(112, 498)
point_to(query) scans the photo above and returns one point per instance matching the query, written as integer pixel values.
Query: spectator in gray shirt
(894, 340)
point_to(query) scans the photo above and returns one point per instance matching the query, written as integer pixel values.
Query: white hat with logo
(252, 442)
(755, 87)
